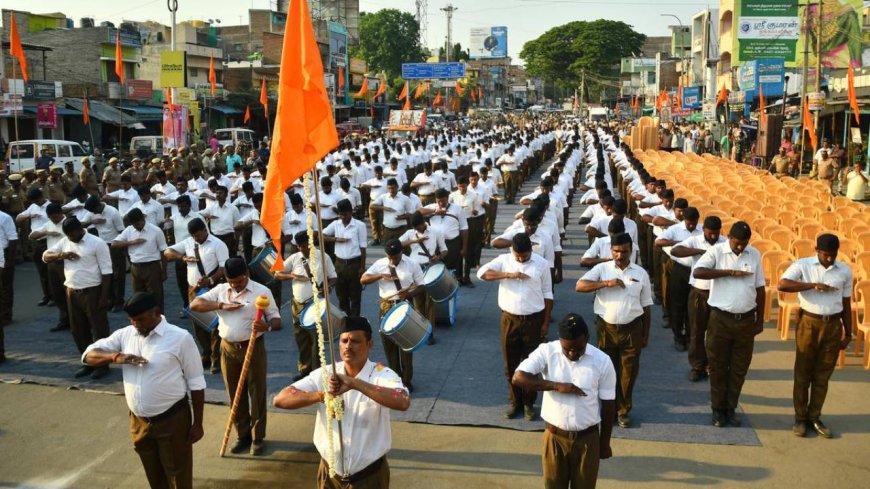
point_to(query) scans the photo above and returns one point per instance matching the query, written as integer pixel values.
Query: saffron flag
(808, 124)
(341, 79)
(473, 98)
(762, 109)
(407, 105)
(119, 57)
(86, 114)
(212, 78)
(723, 97)
(363, 90)
(169, 98)
(15, 49)
(418, 92)
(404, 93)
(459, 90)
(659, 103)
(437, 100)
(247, 114)
(304, 126)
(616, 108)
(480, 93)
(853, 99)
(382, 88)
(264, 97)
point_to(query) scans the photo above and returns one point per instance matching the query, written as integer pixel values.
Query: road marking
(64, 481)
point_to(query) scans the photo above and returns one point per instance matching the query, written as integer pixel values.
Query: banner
(766, 29)
(691, 97)
(175, 129)
(488, 42)
(139, 89)
(816, 100)
(173, 69)
(842, 40)
(46, 115)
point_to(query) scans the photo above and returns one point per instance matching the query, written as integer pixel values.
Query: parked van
(235, 135)
(22, 155)
(146, 147)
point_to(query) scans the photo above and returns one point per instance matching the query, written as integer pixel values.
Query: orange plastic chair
(782, 235)
(787, 218)
(862, 295)
(829, 219)
(848, 248)
(840, 201)
(769, 211)
(801, 222)
(764, 245)
(770, 262)
(862, 261)
(847, 224)
(787, 303)
(759, 224)
(811, 231)
(802, 248)
(857, 231)
(809, 211)
(863, 240)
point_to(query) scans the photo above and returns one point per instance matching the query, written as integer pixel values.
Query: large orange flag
(808, 123)
(86, 114)
(762, 107)
(212, 78)
(363, 90)
(853, 99)
(723, 96)
(680, 95)
(407, 105)
(437, 100)
(459, 90)
(382, 88)
(304, 127)
(15, 49)
(404, 93)
(264, 97)
(419, 90)
(119, 57)
(247, 114)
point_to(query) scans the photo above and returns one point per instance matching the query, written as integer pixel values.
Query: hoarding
(488, 42)
(691, 97)
(767, 73)
(139, 89)
(173, 69)
(46, 115)
(425, 71)
(358, 66)
(337, 46)
(40, 91)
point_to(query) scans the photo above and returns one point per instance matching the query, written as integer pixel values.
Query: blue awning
(62, 111)
(226, 109)
(144, 113)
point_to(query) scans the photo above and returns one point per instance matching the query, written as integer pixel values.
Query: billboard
(768, 73)
(337, 46)
(766, 29)
(422, 71)
(488, 42)
(691, 97)
(173, 69)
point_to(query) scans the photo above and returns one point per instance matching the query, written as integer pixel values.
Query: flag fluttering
(363, 90)
(762, 106)
(119, 57)
(853, 98)
(341, 79)
(407, 105)
(15, 49)
(418, 92)
(304, 126)
(86, 114)
(247, 114)
(459, 90)
(437, 99)
(264, 97)
(212, 78)
(808, 123)
(404, 93)
(382, 88)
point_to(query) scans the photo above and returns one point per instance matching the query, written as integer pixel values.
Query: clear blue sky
(525, 19)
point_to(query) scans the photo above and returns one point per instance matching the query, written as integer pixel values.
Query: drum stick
(398, 292)
(261, 304)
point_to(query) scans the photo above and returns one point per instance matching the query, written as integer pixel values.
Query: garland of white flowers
(334, 404)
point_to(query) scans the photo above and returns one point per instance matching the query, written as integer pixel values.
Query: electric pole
(422, 20)
(582, 90)
(449, 9)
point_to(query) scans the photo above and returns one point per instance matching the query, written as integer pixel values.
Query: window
(193, 72)
(77, 151)
(63, 151)
(49, 149)
(21, 151)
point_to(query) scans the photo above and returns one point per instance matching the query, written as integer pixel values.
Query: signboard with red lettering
(139, 89)
(46, 115)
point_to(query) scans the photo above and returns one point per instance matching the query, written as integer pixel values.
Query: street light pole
(682, 48)
(172, 5)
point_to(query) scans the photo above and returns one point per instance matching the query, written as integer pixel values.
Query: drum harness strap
(308, 272)
(395, 276)
(426, 250)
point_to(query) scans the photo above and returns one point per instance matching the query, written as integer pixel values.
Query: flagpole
(121, 124)
(17, 138)
(90, 128)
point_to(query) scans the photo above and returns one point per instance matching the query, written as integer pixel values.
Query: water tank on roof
(85, 22)
(108, 24)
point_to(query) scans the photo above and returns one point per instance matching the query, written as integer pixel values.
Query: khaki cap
(86, 158)
(55, 169)
(15, 177)
(114, 159)
(156, 160)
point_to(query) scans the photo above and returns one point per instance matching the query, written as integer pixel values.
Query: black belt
(571, 434)
(630, 323)
(524, 316)
(240, 345)
(146, 263)
(735, 316)
(821, 317)
(705, 293)
(362, 474)
(348, 261)
(178, 406)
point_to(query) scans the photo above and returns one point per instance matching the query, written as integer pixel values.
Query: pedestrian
(159, 368)
(579, 385)
(736, 317)
(108, 223)
(87, 269)
(145, 244)
(525, 297)
(824, 288)
(52, 232)
(623, 298)
(349, 237)
(222, 217)
(36, 216)
(368, 391)
(234, 302)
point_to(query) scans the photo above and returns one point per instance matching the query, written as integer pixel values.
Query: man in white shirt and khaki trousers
(349, 237)
(623, 297)
(736, 317)
(579, 385)
(525, 296)
(160, 365)
(145, 243)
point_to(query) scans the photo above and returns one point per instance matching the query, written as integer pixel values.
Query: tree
(456, 54)
(388, 38)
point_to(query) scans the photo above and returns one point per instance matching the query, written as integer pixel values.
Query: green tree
(388, 38)
(456, 54)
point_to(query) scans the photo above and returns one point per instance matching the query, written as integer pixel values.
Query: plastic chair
(770, 262)
(862, 261)
(829, 219)
(857, 231)
(802, 248)
(863, 240)
(808, 211)
(840, 201)
(845, 226)
(788, 304)
(801, 222)
(764, 245)
(769, 211)
(811, 231)
(782, 235)
(849, 248)
(862, 294)
(760, 224)
(787, 218)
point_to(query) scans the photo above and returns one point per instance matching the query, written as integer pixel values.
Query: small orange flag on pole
(437, 100)
(808, 124)
(404, 93)
(212, 77)
(264, 97)
(762, 106)
(363, 90)
(304, 126)
(407, 105)
(86, 114)
(853, 99)
(15, 49)
(418, 92)
(382, 88)
(247, 114)
(458, 88)
(119, 57)
(341, 79)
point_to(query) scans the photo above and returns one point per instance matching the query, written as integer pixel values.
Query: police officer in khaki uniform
(14, 201)
(183, 162)
(54, 187)
(112, 176)
(137, 174)
(70, 180)
(88, 178)
(40, 183)
(824, 288)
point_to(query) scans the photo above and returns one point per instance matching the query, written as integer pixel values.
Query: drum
(261, 266)
(205, 320)
(308, 316)
(445, 311)
(440, 283)
(406, 327)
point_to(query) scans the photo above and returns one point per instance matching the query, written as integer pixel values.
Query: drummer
(298, 270)
(427, 248)
(399, 279)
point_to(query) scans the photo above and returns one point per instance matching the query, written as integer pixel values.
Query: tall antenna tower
(422, 20)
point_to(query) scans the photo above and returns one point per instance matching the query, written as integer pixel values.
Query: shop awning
(144, 113)
(106, 113)
(226, 109)
(62, 111)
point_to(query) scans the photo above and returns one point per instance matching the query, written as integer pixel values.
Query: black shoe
(799, 429)
(821, 429)
(58, 327)
(719, 419)
(44, 301)
(257, 447)
(99, 373)
(298, 377)
(431, 340)
(512, 411)
(215, 368)
(529, 412)
(695, 376)
(734, 419)
(623, 421)
(83, 371)
(241, 445)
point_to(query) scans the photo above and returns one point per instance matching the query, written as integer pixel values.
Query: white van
(235, 135)
(146, 147)
(22, 155)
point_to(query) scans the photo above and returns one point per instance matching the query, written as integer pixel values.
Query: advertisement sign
(766, 29)
(691, 97)
(767, 72)
(401, 120)
(173, 69)
(12, 102)
(39, 91)
(488, 42)
(175, 128)
(746, 76)
(843, 41)
(421, 71)
(358, 66)
(816, 100)
(139, 89)
(709, 111)
(337, 46)
(46, 115)
(185, 97)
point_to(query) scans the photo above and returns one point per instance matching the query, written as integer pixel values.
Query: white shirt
(160, 191)
(733, 294)
(365, 425)
(353, 196)
(294, 222)
(7, 229)
(113, 225)
(37, 215)
(434, 245)
(415, 201)
(809, 270)
(507, 162)
(601, 249)
(617, 305)
(94, 261)
(173, 367)
(521, 297)
(235, 326)
(698, 242)
(295, 264)
(179, 225)
(327, 204)
(468, 202)
(541, 244)
(377, 187)
(408, 272)
(126, 199)
(450, 225)
(212, 252)
(258, 234)
(602, 223)
(149, 251)
(678, 232)
(593, 372)
(76, 208)
(48, 227)
(355, 232)
(153, 211)
(443, 180)
(222, 220)
(400, 204)
(427, 188)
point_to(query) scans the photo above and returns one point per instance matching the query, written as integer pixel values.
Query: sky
(525, 19)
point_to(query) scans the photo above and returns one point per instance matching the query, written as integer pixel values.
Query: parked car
(22, 155)
(235, 135)
(146, 147)
(350, 128)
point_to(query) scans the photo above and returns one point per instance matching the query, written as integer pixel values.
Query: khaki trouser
(164, 450)
(249, 421)
(491, 214)
(729, 350)
(148, 277)
(818, 346)
(475, 243)
(427, 199)
(39, 246)
(347, 286)
(520, 335)
(210, 342)
(623, 344)
(309, 356)
(678, 300)
(571, 462)
(392, 233)
(119, 274)
(88, 322)
(377, 221)
(699, 316)
(399, 360)
(511, 184)
(380, 479)
(57, 290)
